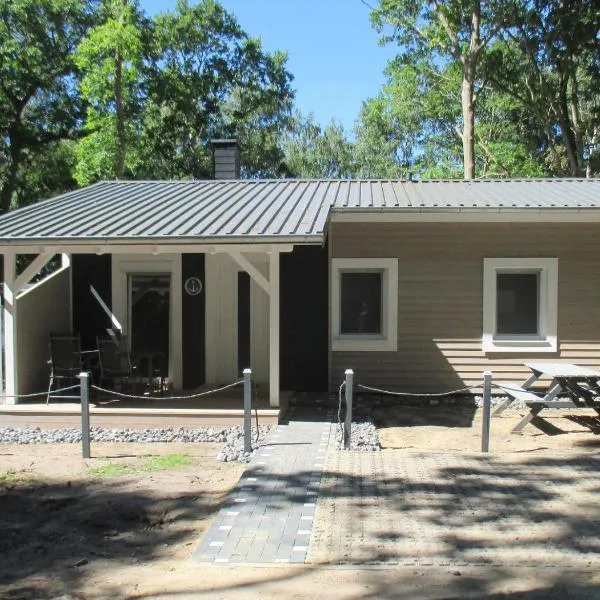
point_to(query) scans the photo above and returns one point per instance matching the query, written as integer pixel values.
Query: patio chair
(65, 362)
(115, 361)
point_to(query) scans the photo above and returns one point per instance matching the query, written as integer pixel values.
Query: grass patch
(12, 476)
(147, 464)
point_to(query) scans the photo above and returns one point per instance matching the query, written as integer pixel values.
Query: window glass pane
(149, 306)
(361, 302)
(517, 303)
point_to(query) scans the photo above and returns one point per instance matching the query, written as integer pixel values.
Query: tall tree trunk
(120, 117)
(468, 112)
(467, 92)
(10, 181)
(120, 112)
(566, 131)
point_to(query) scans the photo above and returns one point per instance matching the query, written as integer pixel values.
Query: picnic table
(572, 386)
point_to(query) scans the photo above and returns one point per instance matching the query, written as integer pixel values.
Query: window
(520, 304)
(364, 304)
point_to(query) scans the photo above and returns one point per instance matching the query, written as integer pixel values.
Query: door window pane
(149, 309)
(517, 303)
(361, 302)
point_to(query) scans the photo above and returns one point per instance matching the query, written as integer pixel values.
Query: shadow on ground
(449, 412)
(54, 531)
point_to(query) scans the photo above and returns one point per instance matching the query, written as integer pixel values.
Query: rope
(121, 395)
(53, 393)
(372, 389)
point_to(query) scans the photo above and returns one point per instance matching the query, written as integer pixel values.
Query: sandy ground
(67, 534)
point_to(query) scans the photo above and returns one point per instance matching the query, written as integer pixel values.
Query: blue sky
(333, 50)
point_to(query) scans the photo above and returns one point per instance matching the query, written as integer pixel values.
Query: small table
(580, 384)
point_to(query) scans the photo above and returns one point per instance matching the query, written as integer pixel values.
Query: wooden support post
(274, 328)
(10, 328)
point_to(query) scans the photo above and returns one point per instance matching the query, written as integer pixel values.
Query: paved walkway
(458, 509)
(268, 517)
(300, 502)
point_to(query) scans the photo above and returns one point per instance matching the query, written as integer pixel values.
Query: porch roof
(271, 211)
(224, 211)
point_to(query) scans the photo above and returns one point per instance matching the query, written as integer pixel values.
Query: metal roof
(284, 210)
(214, 211)
(481, 194)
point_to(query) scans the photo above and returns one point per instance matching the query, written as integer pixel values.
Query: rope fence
(413, 395)
(348, 385)
(85, 386)
(41, 394)
(186, 397)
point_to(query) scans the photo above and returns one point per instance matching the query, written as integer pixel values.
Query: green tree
(436, 32)
(549, 63)
(110, 58)
(208, 79)
(315, 152)
(39, 104)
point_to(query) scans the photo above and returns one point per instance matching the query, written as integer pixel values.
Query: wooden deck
(218, 410)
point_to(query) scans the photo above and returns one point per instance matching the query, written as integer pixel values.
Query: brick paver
(268, 517)
(458, 509)
(300, 500)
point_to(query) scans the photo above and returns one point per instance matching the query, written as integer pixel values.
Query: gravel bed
(363, 433)
(231, 437)
(363, 437)
(516, 404)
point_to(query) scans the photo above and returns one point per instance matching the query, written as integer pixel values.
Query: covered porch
(222, 269)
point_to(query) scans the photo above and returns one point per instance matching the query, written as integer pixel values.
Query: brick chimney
(226, 159)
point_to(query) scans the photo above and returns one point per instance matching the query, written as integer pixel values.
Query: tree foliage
(138, 97)
(435, 31)
(549, 63)
(534, 80)
(110, 58)
(39, 103)
(207, 79)
(315, 152)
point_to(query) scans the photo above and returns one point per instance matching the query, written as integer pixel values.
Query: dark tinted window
(361, 300)
(517, 303)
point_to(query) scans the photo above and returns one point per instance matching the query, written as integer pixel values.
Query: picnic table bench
(580, 385)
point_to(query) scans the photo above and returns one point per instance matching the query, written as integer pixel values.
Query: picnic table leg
(502, 407)
(534, 412)
(506, 403)
(555, 389)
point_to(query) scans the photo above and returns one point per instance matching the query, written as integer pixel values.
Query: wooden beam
(36, 265)
(260, 279)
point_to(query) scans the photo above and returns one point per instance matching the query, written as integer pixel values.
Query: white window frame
(135, 264)
(546, 339)
(388, 339)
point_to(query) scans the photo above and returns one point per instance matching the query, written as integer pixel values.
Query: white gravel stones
(517, 404)
(232, 437)
(363, 437)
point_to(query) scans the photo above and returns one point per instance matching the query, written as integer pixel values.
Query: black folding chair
(65, 363)
(115, 361)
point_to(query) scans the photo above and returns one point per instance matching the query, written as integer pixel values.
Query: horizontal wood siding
(440, 303)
